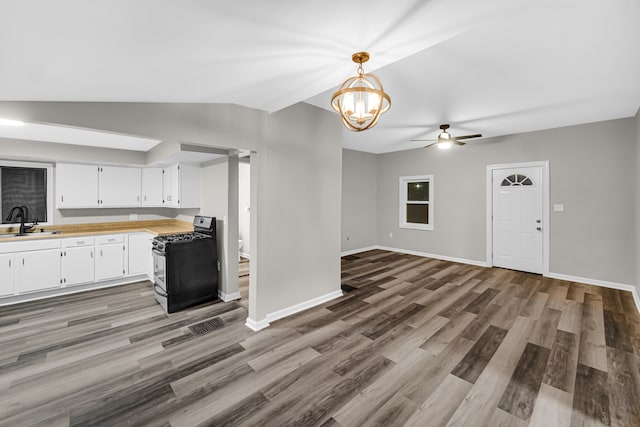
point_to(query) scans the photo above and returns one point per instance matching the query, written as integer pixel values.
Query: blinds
(24, 187)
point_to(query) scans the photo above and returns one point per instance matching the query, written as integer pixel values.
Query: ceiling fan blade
(477, 135)
(429, 145)
(423, 140)
(455, 141)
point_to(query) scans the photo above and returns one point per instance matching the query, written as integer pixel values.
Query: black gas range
(186, 266)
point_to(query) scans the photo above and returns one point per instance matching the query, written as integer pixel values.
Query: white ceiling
(496, 67)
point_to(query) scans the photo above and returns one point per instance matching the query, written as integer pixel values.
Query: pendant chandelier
(361, 99)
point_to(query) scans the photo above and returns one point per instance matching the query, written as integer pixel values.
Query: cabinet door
(140, 257)
(37, 270)
(152, 187)
(76, 186)
(119, 187)
(77, 265)
(109, 261)
(6, 274)
(171, 186)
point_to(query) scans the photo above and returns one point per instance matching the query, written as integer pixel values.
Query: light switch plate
(558, 207)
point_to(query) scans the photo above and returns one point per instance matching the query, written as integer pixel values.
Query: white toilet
(239, 249)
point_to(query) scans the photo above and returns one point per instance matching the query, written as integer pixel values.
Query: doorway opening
(518, 216)
(244, 226)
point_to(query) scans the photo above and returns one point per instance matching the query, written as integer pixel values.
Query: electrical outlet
(133, 217)
(391, 235)
(559, 207)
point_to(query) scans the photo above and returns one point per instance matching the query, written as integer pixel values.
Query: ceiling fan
(445, 139)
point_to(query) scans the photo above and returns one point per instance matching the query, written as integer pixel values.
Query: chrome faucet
(23, 213)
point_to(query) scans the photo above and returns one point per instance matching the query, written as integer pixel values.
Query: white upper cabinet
(93, 186)
(152, 187)
(76, 186)
(181, 184)
(119, 186)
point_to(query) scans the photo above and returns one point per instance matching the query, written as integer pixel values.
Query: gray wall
(359, 199)
(296, 176)
(592, 172)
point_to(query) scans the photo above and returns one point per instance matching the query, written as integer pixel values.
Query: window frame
(403, 202)
(36, 165)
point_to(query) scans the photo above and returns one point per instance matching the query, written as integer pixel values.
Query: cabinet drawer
(78, 241)
(109, 239)
(31, 245)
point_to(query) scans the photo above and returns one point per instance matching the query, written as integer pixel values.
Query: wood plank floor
(414, 341)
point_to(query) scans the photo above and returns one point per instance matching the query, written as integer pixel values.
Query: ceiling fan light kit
(361, 99)
(446, 140)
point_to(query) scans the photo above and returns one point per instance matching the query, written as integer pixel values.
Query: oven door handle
(158, 252)
(158, 290)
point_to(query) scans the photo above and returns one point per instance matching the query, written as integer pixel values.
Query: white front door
(517, 218)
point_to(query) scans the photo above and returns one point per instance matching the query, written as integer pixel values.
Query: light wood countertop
(156, 227)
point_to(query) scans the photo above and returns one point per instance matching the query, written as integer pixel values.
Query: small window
(28, 186)
(516, 180)
(416, 202)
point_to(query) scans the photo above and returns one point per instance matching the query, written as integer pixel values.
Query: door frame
(545, 208)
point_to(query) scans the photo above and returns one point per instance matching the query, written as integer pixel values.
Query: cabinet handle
(62, 198)
(23, 261)
(145, 198)
(9, 263)
(112, 240)
(101, 253)
(91, 254)
(138, 198)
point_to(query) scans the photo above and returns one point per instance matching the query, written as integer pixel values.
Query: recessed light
(10, 122)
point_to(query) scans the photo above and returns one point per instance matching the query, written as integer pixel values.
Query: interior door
(517, 218)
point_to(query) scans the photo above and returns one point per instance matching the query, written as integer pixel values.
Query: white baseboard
(271, 317)
(288, 311)
(602, 283)
(357, 251)
(256, 326)
(229, 297)
(421, 254)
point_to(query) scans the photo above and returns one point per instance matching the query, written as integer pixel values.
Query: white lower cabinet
(39, 265)
(77, 263)
(6, 274)
(140, 258)
(110, 251)
(37, 270)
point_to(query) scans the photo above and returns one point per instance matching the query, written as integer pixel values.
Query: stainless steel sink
(33, 233)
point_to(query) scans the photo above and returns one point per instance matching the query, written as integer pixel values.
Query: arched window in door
(516, 180)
